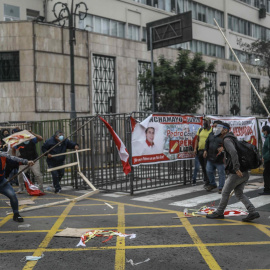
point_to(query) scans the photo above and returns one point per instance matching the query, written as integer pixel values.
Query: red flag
(31, 189)
(123, 153)
(133, 123)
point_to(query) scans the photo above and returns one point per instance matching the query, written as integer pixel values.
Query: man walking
(5, 188)
(236, 180)
(213, 153)
(266, 160)
(59, 160)
(27, 150)
(202, 136)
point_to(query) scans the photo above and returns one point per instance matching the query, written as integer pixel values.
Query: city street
(165, 237)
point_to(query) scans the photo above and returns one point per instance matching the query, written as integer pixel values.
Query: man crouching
(5, 187)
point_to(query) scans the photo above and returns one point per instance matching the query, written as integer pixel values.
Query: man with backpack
(266, 160)
(202, 136)
(237, 177)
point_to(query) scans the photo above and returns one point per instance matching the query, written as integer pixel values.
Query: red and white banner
(244, 128)
(31, 189)
(122, 151)
(164, 138)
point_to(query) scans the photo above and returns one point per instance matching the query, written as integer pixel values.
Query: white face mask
(218, 130)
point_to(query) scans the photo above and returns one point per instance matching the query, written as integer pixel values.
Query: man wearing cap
(236, 180)
(214, 155)
(199, 147)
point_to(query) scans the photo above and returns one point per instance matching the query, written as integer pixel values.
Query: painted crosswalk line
(257, 202)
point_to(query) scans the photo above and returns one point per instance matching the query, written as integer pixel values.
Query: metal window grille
(103, 83)
(145, 101)
(9, 66)
(211, 105)
(255, 102)
(235, 94)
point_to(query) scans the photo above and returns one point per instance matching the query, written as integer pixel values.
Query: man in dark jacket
(213, 153)
(5, 188)
(57, 161)
(266, 160)
(236, 180)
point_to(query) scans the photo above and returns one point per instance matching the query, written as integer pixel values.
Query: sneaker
(251, 216)
(57, 191)
(17, 217)
(220, 191)
(215, 215)
(194, 183)
(210, 187)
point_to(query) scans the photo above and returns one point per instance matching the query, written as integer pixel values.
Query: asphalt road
(165, 238)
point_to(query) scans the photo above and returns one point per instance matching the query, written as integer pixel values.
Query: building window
(145, 98)
(9, 66)
(31, 14)
(207, 48)
(255, 102)
(234, 95)
(11, 13)
(247, 28)
(211, 105)
(103, 26)
(133, 32)
(254, 3)
(103, 84)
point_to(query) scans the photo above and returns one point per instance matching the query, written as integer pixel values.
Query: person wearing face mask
(213, 154)
(237, 177)
(59, 160)
(27, 150)
(4, 134)
(266, 160)
(199, 146)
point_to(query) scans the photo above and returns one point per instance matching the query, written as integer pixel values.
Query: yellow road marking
(201, 247)
(120, 254)
(31, 264)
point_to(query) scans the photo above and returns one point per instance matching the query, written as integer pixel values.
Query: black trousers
(203, 162)
(266, 176)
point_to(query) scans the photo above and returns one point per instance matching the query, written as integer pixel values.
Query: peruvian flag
(123, 153)
(31, 189)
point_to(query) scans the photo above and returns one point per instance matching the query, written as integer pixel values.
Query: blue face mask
(61, 138)
(263, 135)
(26, 142)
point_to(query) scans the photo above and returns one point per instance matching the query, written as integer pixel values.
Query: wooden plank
(79, 166)
(71, 152)
(85, 195)
(62, 167)
(72, 232)
(87, 181)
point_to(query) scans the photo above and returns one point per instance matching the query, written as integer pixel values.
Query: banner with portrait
(244, 128)
(164, 138)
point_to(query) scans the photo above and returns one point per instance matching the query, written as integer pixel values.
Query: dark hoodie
(2, 137)
(231, 155)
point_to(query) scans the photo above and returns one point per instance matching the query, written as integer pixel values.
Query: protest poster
(164, 138)
(244, 128)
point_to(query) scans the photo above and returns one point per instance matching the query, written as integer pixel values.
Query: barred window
(9, 66)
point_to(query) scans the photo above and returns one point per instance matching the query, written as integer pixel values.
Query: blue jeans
(196, 168)
(210, 169)
(57, 176)
(8, 191)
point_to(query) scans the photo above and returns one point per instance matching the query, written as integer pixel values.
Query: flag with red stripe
(122, 150)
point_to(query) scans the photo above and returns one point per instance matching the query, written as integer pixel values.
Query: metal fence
(102, 165)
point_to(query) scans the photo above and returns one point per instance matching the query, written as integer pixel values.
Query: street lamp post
(61, 16)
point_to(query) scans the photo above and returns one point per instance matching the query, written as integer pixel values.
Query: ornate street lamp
(62, 15)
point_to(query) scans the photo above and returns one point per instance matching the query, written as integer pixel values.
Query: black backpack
(248, 155)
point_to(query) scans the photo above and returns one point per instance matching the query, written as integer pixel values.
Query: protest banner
(244, 128)
(164, 138)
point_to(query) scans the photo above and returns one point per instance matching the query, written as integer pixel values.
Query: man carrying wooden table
(56, 161)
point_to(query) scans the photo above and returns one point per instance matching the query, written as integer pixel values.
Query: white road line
(113, 195)
(257, 202)
(168, 194)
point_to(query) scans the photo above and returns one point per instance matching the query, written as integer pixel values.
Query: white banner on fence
(263, 122)
(244, 128)
(164, 138)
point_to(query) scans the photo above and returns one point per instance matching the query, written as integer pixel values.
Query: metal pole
(253, 87)
(152, 69)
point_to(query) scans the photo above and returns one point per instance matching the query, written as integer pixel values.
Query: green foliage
(178, 85)
(260, 48)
